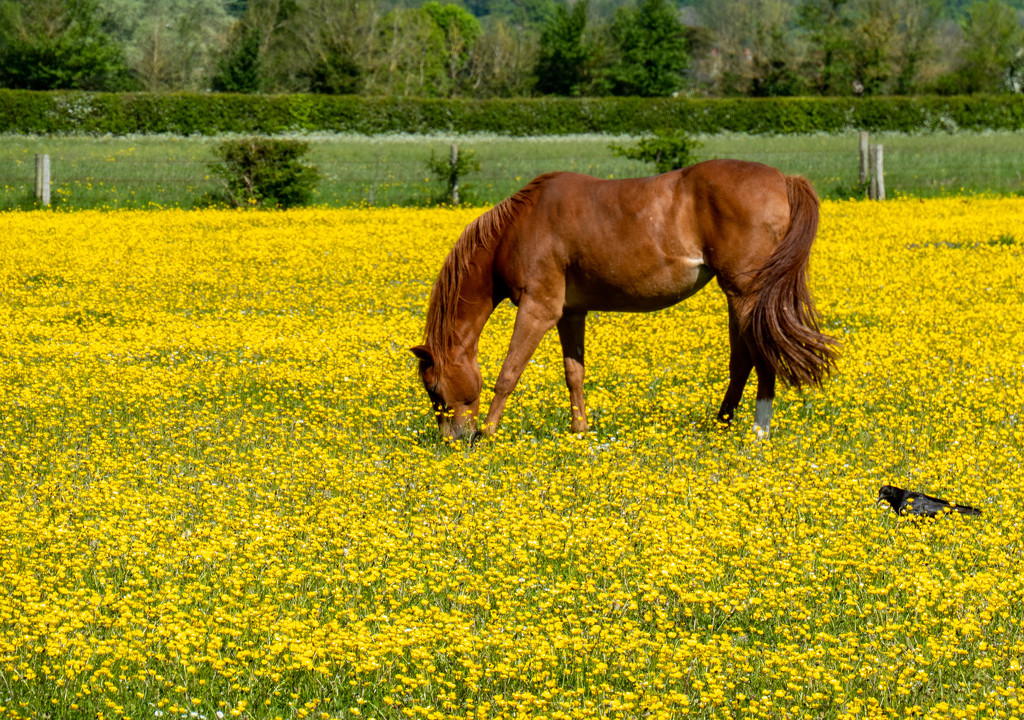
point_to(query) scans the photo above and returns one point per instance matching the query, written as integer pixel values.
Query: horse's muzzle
(454, 431)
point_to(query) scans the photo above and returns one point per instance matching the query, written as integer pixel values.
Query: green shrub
(668, 150)
(450, 171)
(262, 172)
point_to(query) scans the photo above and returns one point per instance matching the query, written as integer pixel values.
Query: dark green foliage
(264, 173)
(650, 50)
(520, 13)
(66, 48)
(775, 75)
(992, 41)
(239, 67)
(667, 150)
(827, 27)
(854, 190)
(337, 73)
(211, 114)
(565, 57)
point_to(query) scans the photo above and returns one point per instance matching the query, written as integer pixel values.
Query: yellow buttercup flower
(223, 493)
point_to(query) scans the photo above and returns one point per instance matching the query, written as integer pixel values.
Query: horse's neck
(464, 299)
(476, 301)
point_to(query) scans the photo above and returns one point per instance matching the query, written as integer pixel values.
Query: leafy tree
(409, 59)
(277, 24)
(919, 24)
(869, 46)
(461, 31)
(650, 50)
(319, 45)
(827, 26)
(992, 38)
(59, 44)
(170, 44)
(501, 63)
(752, 52)
(521, 14)
(773, 71)
(336, 72)
(872, 44)
(239, 67)
(564, 63)
(1013, 78)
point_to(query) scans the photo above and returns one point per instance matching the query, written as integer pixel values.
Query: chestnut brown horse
(566, 244)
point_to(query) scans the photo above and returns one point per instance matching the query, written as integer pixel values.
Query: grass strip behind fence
(146, 172)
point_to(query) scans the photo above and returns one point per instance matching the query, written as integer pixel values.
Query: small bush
(668, 150)
(849, 191)
(450, 171)
(264, 172)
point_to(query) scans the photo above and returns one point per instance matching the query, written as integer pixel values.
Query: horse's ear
(423, 354)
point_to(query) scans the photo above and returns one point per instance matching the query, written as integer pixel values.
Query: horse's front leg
(533, 320)
(571, 330)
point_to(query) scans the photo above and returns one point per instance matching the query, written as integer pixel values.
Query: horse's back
(644, 243)
(680, 204)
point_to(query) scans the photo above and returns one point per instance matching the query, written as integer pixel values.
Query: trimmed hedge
(23, 111)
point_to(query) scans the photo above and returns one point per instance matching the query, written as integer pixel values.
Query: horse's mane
(481, 234)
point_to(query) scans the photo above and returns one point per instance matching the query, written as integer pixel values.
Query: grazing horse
(566, 244)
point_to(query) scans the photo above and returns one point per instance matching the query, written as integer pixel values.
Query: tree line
(513, 48)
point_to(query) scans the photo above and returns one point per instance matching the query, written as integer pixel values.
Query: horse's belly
(636, 293)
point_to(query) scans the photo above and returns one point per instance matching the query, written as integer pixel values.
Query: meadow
(167, 171)
(223, 494)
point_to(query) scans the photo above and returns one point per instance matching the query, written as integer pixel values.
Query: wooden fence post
(455, 174)
(876, 183)
(879, 174)
(43, 179)
(872, 178)
(863, 157)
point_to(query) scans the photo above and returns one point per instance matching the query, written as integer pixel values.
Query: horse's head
(454, 391)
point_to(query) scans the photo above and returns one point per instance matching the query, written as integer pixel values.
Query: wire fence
(78, 181)
(144, 174)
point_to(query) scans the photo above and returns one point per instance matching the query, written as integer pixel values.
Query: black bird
(906, 502)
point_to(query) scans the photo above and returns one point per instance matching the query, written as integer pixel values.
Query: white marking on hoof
(763, 419)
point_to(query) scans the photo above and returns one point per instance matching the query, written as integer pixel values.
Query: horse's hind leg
(740, 365)
(765, 399)
(571, 330)
(742, 359)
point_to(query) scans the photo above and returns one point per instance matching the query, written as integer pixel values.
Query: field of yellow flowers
(222, 493)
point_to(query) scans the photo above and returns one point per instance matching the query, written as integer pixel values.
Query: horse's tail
(783, 320)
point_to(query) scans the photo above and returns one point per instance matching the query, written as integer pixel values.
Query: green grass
(165, 171)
